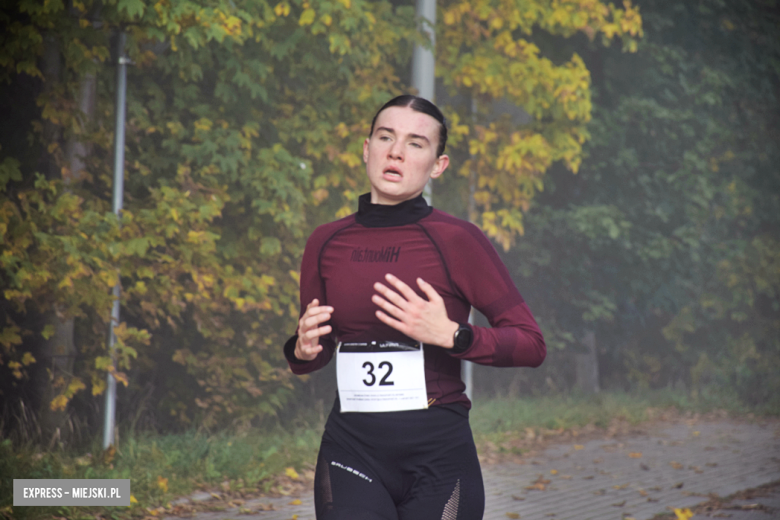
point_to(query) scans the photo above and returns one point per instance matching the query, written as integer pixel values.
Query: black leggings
(412, 465)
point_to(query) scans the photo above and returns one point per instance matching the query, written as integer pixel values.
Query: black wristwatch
(462, 337)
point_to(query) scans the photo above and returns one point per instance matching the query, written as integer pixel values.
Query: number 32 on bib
(381, 377)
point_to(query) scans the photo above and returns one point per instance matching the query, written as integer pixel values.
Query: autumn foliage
(244, 128)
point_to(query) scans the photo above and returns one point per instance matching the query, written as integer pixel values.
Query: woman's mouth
(392, 174)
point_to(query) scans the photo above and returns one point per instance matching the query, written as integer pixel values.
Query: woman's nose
(396, 151)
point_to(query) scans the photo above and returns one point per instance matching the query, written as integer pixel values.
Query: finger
(308, 352)
(311, 311)
(387, 306)
(429, 291)
(311, 340)
(310, 346)
(315, 333)
(391, 295)
(313, 320)
(404, 289)
(387, 320)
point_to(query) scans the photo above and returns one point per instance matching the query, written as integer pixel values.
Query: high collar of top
(383, 215)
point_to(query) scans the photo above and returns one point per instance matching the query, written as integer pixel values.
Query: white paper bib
(381, 377)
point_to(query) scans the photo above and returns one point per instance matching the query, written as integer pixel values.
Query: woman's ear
(440, 165)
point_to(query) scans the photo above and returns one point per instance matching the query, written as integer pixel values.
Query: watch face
(463, 337)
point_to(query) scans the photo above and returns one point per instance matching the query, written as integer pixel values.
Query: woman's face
(400, 155)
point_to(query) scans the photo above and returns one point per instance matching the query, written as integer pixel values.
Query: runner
(388, 290)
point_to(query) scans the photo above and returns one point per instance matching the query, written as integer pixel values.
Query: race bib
(381, 377)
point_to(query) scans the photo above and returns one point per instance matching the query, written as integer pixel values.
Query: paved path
(633, 477)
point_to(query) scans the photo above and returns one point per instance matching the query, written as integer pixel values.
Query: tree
(245, 124)
(665, 243)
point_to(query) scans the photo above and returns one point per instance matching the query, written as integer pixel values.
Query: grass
(164, 467)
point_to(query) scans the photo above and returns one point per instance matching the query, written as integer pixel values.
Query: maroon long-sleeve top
(343, 260)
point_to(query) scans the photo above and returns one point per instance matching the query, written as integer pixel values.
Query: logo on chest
(385, 254)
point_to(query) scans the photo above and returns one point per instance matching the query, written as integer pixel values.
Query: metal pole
(468, 366)
(424, 63)
(119, 177)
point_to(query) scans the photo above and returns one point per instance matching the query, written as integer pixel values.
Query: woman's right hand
(309, 330)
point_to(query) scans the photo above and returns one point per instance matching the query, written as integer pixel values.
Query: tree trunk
(588, 366)
(57, 356)
(58, 353)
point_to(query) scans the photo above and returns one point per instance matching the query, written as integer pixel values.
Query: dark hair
(422, 105)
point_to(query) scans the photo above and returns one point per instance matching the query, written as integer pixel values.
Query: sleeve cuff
(289, 351)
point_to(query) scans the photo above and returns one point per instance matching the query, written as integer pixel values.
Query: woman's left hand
(423, 320)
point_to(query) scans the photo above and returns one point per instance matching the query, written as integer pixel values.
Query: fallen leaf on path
(635, 455)
(553, 471)
(290, 472)
(512, 515)
(683, 514)
(676, 465)
(517, 497)
(296, 502)
(539, 484)
(620, 504)
(679, 485)
(579, 447)
(620, 486)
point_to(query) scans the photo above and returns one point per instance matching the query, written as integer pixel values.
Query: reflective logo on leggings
(351, 470)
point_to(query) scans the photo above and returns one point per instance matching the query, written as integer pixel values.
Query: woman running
(389, 290)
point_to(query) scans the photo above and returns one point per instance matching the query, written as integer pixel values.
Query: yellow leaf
(98, 385)
(48, 331)
(635, 455)
(59, 403)
(683, 514)
(579, 447)
(512, 515)
(282, 9)
(290, 472)
(75, 385)
(27, 359)
(162, 483)
(307, 17)
(133, 500)
(296, 502)
(346, 3)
